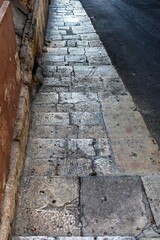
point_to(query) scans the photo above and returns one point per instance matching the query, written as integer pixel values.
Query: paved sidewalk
(91, 168)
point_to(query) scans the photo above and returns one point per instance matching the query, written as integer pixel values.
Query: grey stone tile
(46, 148)
(73, 167)
(76, 51)
(81, 148)
(115, 238)
(44, 193)
(53, 59)
(103, 166)
(75, 238)
(66, 107)
(46, 98)
(53, 88)
(57, 82)
(57, 44)
(86, 118)
(107, 71)
(33, 238)
(91, 132)
(56, 51)
(52, 222)
(152, 188)
(82, 43)
(43, 108)
(75, 59)
(51, 119)
(87, 107)
(95, 43)
(76, 97)
(55, 132)
(113, 205)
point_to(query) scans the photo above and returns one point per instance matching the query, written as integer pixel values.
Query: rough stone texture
(109, 205)
(33, 238)
(73, 183)
(152, 188)
(134, 149)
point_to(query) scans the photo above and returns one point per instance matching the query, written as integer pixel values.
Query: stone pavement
(92, 169)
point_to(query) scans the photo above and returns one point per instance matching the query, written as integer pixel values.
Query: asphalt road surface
(130, 32)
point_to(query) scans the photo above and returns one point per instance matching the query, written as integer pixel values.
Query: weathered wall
(30, 29)
(10, 88)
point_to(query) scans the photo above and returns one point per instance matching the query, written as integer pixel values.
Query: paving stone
(76, 51)
(86, 118)
(73, 167)
(88, 107)
(51, 119)
(133, 148)
(75, 97)
(114, 86)
(52, 222)
(57, 44)
(33, 238)
(42, 193)
(152, 188)
(115, 238)
(55, 132)
(91, 132)
(75, 59)
(95, 43)
(65, 107)
(57, 72)
(104, 166)
(43, 108)
(107, 71)
(46, 148)
(52, 81)
(53, 59)
(46, 98)
(83, 43)
(75, 238)
(51, 88)
(81, 148)
(57, 51)
(113, 205)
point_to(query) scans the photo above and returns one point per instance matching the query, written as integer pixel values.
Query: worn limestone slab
(47, 222)
(46, 98)
(115, 238)
(86, 118)
(40, 119)
(113, 205)
(46, 148)
(74, 166)
(133, 148)
(48, 193)
(152, 188)
(76, 97)
(55, 132)
(33, 238)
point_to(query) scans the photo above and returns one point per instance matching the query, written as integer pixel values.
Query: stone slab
(53, 119)
(49, 222)
(115, 238)
(46, 148)
(75, 167)
(42, 193)
(133, 148)
(86, 118)
(46, 98)
(33, 238)
(113, 205)
(55, 132)
(152, 188)
(76, 97)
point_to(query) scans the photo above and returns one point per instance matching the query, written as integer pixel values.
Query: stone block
(46, 98)
(55, 132)
(91, 132)
(51, 221)
(152, 187)
(113, 205)
(48, 193)
(86, 118)
(81, 148)
(76, 97)
(53, 119)
(46, 148)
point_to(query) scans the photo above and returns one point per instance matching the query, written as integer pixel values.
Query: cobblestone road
(91, 167)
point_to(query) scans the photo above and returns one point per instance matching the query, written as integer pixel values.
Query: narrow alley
(91, 168)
